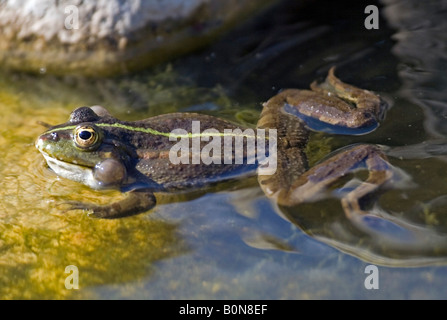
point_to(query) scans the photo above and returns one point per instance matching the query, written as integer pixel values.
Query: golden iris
(86, 137)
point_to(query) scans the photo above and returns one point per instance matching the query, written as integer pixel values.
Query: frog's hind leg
(290, 158)
(380, 172)
(314, 184)
(376, 222)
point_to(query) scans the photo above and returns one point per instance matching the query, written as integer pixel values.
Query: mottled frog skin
(100, 151)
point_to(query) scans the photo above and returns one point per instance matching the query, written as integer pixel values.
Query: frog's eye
(86, 137)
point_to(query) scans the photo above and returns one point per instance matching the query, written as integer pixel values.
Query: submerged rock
(108, 37)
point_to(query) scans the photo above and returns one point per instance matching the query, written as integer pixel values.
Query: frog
(98, 150)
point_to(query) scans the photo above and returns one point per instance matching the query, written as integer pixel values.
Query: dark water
(231, 241)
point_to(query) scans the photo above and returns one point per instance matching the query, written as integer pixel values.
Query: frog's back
(203, 138)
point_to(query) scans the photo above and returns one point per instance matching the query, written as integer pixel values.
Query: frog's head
(80, 150)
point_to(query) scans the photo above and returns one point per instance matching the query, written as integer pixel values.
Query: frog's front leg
(137, 201)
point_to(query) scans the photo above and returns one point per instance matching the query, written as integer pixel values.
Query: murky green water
(231, 241)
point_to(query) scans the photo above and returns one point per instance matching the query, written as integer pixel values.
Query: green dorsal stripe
(138, 129)
(157, 133)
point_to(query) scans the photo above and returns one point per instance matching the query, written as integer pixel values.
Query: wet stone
(108, 37)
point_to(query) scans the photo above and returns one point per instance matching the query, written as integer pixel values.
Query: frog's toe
(78, 205)
(100, 213)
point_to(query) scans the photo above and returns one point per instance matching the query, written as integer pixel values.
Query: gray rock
(106, 37)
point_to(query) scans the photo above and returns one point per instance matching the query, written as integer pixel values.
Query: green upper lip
(39, 145)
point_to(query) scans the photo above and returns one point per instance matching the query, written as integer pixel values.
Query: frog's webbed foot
(136, 202)
(364, 100)
(336, 103)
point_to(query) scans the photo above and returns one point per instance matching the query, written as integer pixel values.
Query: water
(231, 241)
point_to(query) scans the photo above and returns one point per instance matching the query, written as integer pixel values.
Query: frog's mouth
(72, 171)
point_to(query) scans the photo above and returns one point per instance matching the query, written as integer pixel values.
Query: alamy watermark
(72, 17)
(372, 20)
(372, 280)
(72, 280)
(259, 148)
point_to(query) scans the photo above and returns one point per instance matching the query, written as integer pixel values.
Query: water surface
(231, 241)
